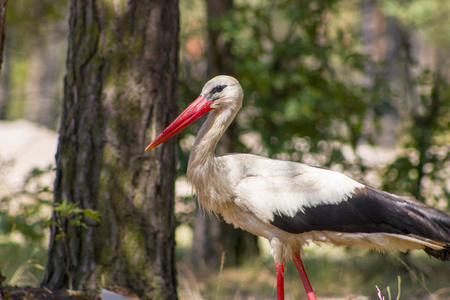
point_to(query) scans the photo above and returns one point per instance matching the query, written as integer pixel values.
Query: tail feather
(413, 217)
(443, 254)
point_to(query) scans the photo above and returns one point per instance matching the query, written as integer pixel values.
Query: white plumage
(293, 204)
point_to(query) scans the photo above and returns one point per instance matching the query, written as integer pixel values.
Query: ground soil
(32, 293)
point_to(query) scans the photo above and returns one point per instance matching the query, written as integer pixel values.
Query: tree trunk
(214, 239)
(120, 89)
(5, 98)
(44, 69)
(219, 49)
(2, 29)
(4, 81)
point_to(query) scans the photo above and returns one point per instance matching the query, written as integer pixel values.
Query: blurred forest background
(358, 86)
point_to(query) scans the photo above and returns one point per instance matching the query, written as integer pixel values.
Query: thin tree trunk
(5, 84)
(214, 239)
(219, 49)
(120, 89)
(2, 29)
(4, 81)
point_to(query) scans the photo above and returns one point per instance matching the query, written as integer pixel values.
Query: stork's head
(220, 93)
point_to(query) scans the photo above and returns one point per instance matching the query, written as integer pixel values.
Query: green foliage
(288, 58)
(22, 263)
(74, 214)
(23, 228)
(35, 37)
(28, 216)
(27, 212)
(429, 16)
(27, 22)
(311, 89)
(427, 149)
(29, 16)
(295, 65)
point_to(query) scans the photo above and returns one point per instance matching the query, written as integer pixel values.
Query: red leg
(301, 270)
(280, 281)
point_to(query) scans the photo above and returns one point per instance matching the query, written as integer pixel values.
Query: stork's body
(292, 204)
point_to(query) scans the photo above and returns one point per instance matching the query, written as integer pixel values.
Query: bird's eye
(218, 89)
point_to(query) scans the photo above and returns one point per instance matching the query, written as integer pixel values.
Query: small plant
(74, 214)
(75, 217)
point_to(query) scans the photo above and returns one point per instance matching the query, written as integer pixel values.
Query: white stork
(292, 204)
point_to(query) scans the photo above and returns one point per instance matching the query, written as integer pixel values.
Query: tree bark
(219, 50)
(5, 86)
(45, 64)
(120, 89)
(214, 239)
(4, 81)
(2, 29)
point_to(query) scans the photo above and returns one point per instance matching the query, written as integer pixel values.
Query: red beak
(191, 114)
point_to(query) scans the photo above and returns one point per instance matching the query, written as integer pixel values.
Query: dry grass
(355, 276)
(335, 273)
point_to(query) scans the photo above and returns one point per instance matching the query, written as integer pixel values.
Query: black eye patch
(216, 89)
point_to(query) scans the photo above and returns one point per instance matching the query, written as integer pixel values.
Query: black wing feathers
(370, 211)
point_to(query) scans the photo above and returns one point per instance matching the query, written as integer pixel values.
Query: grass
(356, 275)
(335, 273)
(22, 263)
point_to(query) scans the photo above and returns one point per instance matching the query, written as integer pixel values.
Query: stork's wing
(298, 198)
(370, 211)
